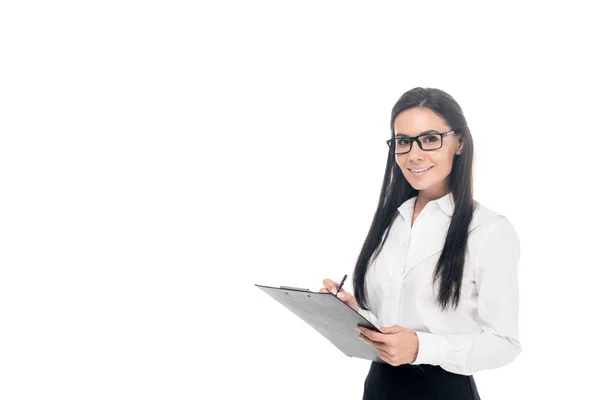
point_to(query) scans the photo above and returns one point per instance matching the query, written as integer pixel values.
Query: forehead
(417, 120)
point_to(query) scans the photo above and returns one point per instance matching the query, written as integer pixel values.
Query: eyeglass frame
(416, 139)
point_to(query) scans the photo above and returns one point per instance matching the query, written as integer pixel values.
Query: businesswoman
(437, 273)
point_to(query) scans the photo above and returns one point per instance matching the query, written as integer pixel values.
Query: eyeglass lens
(428, 142)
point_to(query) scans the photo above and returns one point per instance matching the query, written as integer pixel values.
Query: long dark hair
(396, 190)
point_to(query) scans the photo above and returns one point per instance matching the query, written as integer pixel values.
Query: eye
(430, 138)
(402, 142)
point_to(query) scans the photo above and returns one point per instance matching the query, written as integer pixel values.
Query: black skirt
(419, 382)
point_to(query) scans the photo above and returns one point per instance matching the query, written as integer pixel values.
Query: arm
(497, 307)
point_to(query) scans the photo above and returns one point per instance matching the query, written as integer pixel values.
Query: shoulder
(490, 225)
(484, 217)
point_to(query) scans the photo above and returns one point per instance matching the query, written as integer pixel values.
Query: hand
(331, 286)
(396, 345)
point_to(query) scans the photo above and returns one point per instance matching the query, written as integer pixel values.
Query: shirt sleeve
(497, 308)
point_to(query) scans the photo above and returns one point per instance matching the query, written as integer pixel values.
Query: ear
(459, 149)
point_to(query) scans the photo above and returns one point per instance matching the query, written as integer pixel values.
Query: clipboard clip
(294, 288)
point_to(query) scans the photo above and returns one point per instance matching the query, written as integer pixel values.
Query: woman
(437, 273)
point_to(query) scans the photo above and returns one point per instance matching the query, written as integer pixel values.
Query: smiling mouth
(417, 171)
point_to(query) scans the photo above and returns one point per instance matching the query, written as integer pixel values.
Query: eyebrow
(399, 134)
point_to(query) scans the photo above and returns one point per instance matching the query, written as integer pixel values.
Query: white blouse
(482, 333)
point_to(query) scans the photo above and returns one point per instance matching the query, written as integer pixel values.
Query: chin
(421, 185)
(418, 186)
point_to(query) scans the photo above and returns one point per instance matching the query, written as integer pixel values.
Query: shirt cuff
(437, 349)
(432, 349)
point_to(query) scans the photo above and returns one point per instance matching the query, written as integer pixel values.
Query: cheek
(401, 161)
(443, 160)
(445, 163)
(443, 167)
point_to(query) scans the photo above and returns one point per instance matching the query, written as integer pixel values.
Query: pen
(341, 284)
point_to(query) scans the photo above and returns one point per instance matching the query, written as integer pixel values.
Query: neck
(423, 198)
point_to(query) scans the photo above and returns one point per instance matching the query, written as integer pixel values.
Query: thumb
(392, 329)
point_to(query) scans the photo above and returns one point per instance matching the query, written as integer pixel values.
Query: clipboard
(330, 316)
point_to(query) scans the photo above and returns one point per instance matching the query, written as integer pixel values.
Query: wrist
(416, 346)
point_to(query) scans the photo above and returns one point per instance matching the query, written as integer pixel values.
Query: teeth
(420, 170)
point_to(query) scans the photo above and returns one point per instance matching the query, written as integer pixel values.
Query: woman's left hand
(396, 345)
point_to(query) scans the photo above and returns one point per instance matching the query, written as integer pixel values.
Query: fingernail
(341, 295)
(358, 329)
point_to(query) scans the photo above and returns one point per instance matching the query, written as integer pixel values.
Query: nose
(415, 153)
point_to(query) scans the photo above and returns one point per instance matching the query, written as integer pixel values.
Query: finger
(375, 336)
(371, 342)
(383, 353)
(341, 295)
(392, 329)
(380, 347)
(385, 358)
(330, 285)
(325, 290)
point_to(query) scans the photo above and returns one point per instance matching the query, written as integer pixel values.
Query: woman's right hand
(331, 287)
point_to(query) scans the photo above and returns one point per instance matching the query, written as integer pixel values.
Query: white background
(159, 158)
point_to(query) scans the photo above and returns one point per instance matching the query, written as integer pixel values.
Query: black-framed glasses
(427, 141)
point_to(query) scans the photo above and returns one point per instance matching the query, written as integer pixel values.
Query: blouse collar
(444, 203)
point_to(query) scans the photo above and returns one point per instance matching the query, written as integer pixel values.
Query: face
(433, 183)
